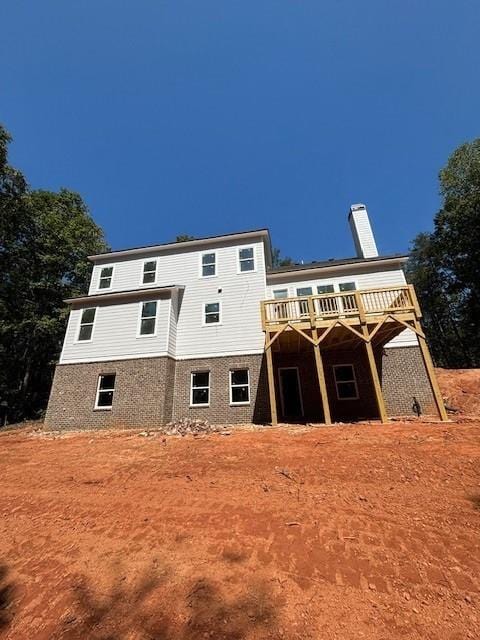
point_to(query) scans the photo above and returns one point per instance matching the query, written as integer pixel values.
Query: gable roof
(332, 263)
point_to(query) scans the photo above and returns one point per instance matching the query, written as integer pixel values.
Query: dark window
(105, 278)
(106, 387)
(87, 321)
(209, 264)
(239, 386)
(149, 271)
(278, 294)
(347, 286)
(212, 313)
(148, 320)
(304, 291)
(246, 259)
(325, 288)
(345, 382)
(200, 387)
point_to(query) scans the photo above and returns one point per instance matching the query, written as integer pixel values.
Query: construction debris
(185, 426)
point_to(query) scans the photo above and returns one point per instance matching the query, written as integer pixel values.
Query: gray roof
(336, 262)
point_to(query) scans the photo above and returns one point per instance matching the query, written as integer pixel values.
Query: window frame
(337, 382)
(274, 291)
(80, 324)
(239, 260)
(215, 263)
(140, 318)
(204, 314)
(142, 273)
(231, 387)
(326, 293)
(354, 282)
(97, 407)
(192, 374)
(100, 277)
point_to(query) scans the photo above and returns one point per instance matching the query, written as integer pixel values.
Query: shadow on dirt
(475, 500)
(154, 609)
(7, 590)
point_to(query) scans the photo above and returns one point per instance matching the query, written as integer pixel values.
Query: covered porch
(323, 353)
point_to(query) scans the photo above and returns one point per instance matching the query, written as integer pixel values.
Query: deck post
(271, 379)
(321, 379)
(432, 378)
(375, 379)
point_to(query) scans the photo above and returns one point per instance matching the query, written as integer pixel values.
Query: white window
(347, 286)
(280, 293)
(239, 386)
(105, 389)
(105, 281)
(148, 319)
(209, 265)
(345, 382)
(149, 272)
(325, 288)
(246, 259)
(200, 388)
(211, 313)
(87, 320)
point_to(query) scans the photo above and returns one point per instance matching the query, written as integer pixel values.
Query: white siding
(115, 334)
(184, 333)
(362, 234)
(363, 280)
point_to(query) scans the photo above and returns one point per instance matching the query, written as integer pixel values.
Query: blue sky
(204, 117)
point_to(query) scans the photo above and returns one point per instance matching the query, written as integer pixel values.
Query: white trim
(140, 318)
(280, 385)
(254, 258)
(169, 325)
(106, 408)
(212, 324)
(161, 354)
(79, 325)
(142, 272)
(230, 386)
(201, 404)
(337, 382)
(413, 342)
(105, 266)
(200, 271)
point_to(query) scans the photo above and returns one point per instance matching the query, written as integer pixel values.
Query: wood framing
(375, 379)
(427, 360)
(321, 379)
(271, 380)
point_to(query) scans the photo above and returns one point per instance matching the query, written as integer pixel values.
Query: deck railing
(348, 304)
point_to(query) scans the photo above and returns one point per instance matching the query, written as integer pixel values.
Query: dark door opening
(290, 393)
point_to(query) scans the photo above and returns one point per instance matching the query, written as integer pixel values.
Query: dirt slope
(461, 389)
(341, 532)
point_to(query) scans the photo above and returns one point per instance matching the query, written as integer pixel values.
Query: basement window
(149, 272)
(345, 382)
(211, 313)
(87, 320)
(105, 389)
(209, 265)
(239, 386)
(148, 319)
(200, 389)
(246, 259)
(106, 275)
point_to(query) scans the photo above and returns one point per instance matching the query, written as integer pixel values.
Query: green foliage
(445, 264)
(280, 261)
(184, 238)
(45, 239)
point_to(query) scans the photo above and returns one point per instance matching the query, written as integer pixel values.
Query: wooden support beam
(271, 379)
(427, 360)
(376, 380)
(321, 379)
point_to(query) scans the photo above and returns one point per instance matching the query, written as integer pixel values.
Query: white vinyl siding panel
(115, 334)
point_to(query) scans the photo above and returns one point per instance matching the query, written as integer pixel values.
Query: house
(208, 329)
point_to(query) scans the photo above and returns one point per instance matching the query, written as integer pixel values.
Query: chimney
(362, 232)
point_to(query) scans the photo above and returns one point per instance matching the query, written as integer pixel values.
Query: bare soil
(358, 531)
(461, 389)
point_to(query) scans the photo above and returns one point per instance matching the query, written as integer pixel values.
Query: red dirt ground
(461, 389)
(347, 532)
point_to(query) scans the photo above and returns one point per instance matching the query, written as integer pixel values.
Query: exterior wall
(143, 396)
(220, 411)
(150, 392)
(404, 376)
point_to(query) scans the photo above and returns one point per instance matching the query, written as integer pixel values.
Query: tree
(280, 261)
(45, 239)
(445, 264)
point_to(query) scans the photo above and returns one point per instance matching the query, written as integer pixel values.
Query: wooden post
(427, 360)
(271, 380)
(321, 379)
(374, 372)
